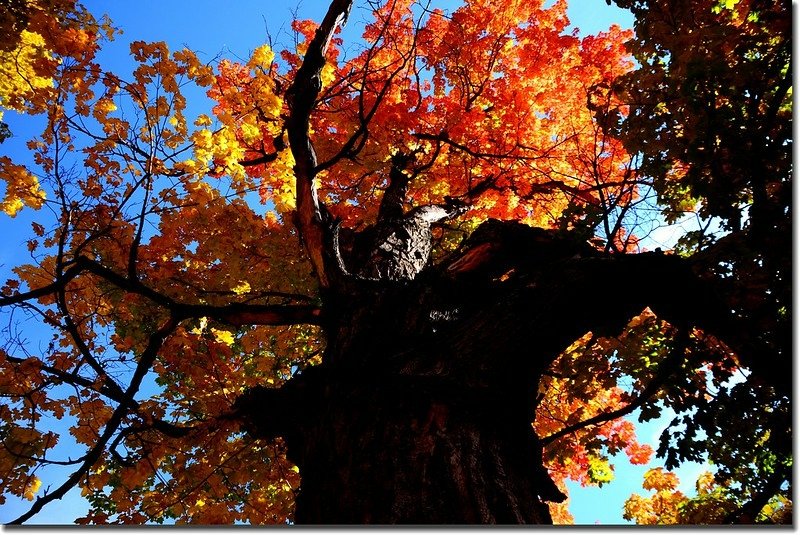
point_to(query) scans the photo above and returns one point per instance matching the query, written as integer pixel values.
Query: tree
(438, 312)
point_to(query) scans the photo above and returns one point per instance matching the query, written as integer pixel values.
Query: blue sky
(234, 29)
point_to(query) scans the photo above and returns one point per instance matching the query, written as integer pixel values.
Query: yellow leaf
(250, 132)
(202, 327)
(262, 57)
(242, 288)
(328, 75)
(32, 488)
(20, 71)
(22, 188)
(202, 120)
(222, 336)
(658, 479)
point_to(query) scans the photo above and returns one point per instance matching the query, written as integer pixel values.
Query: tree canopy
(465, 181)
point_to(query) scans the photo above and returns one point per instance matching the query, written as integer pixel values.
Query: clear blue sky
(234, 29)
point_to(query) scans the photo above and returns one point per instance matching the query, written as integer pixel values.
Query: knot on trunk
(397, 247)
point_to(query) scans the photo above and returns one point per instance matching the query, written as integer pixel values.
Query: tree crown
(180, 259)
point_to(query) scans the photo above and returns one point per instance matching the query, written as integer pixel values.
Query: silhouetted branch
(146, 359)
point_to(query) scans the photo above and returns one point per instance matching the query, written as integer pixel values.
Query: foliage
(710, 113)
(712, 503)
(711, 103)
(169, 288)
(35, 36)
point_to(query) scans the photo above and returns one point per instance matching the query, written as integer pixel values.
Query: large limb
(302, 96)
(542, 291)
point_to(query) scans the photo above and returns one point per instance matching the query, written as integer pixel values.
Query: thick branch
(301, 97)
(238, 315)
(394, 197)
(235, 314)
(539, 287)
(107, 388)
(50, 289)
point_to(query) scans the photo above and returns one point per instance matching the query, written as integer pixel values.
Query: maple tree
(406, 285)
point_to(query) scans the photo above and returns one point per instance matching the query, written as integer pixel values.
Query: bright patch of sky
(604, 505)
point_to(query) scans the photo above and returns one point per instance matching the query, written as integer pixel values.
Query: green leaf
(600, 471)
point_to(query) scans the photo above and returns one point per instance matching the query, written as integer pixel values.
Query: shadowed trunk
(421, 411)
(414, 416)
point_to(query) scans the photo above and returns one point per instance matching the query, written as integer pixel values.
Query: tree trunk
(422, 409)
(395, 451)
(412, 418)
